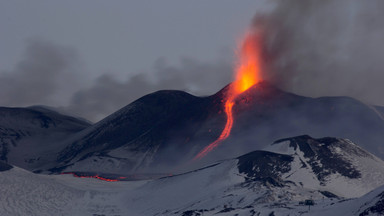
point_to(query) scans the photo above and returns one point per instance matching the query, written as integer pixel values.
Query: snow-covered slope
(166, 128)
(379, 109)
(327, 170)
(30, 137)
(370, 204)
(331, 164)
(258, 183)
(267, 183)
(24, 193)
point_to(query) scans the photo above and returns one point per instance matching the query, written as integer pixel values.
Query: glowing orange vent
(248, 73)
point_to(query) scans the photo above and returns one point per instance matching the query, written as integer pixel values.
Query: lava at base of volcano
(116, 177)
(95, 176)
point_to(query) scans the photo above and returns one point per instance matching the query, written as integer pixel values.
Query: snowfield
(335, 173)
(216, 190)
(369, 167)
(25, 193)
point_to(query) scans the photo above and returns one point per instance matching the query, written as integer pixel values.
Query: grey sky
(327, 48)
(124, 37)
(92, 57)
(102, 44)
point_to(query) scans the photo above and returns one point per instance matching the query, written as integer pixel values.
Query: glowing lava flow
(224, 135)
(94, 176)
(248, 73)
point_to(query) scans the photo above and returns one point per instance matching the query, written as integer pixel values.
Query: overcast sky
(91, 57)
(117, 38)
(122, 36)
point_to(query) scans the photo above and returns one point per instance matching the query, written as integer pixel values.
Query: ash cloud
(50, 74)
(326, 48)
(43, 76)
(313, 48)
(109, 94)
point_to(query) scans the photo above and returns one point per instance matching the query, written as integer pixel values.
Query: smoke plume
(109, 94)
(44, 76)
(50, 74)
(312, 47)
(326, 48)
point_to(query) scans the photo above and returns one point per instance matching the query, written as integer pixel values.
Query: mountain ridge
(176, 131)
(167, 128)
(251, 184)
(27, 135)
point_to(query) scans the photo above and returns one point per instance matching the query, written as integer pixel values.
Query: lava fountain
(248, 73)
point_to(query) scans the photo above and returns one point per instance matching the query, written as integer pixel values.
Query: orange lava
(248, 73)
(224, 135)
(94, 176)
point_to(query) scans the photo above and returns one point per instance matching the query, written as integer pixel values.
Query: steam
(109, 94)
(326, 48)
(50, 74)
(313, 48)
(41, 77)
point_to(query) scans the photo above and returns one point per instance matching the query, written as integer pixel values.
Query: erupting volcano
(248, 73)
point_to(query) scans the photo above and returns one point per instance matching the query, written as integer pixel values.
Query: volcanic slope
(274, 182)
(166, 128)
(262, 182)
(30, 136)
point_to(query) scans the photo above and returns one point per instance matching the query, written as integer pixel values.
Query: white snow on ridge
(370, 167)
(206, 188)
(25, 193)
(216, 190)
(281, 148)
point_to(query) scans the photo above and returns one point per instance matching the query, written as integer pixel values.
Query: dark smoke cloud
(50, 74)
(109, 94)
(326, 47)
(43, 76)
(312, 47)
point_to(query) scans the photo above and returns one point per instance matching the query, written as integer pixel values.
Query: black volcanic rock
(156, 123)
(167, 128)
(377, 208)
(265, 166)
(323, 159)
(263, 114)
(372, 203)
